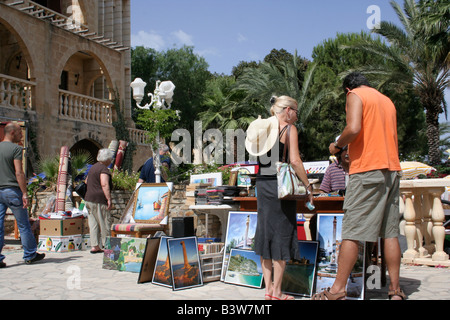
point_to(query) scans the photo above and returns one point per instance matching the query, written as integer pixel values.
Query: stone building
(62, 62)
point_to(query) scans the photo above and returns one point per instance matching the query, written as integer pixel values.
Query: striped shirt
(334, 179)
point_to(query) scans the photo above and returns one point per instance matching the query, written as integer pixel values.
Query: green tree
(335, 58)
(418, 55)
(189, 73)
(222, 108)
(282, 78)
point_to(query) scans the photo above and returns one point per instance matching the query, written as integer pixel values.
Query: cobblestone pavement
(79, 275)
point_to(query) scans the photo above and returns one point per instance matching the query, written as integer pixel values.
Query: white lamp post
(162, 95)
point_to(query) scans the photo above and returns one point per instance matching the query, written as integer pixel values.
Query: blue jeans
(12, 198)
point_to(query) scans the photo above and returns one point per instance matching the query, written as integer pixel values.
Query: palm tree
(222, 106)
(282, 78)
(418, 56)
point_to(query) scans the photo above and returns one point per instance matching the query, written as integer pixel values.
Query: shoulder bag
(289, 185)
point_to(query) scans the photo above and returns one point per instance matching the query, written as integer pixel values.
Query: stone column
(410, 227)
(438, 217)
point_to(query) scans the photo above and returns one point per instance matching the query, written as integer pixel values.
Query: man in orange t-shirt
(371, 202)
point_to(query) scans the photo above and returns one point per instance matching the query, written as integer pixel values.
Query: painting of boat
(152, 203)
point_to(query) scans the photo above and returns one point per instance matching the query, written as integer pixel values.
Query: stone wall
(179, 207)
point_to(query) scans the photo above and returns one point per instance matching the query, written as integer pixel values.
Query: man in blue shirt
(148, 170)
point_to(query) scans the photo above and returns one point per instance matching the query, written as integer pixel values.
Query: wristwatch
(336, 146)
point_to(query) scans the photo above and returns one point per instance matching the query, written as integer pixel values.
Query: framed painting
(244, 268)
(214, 179)
(329, 235)
(151, 203)
(162, 275)
(124, 254)
(243, 177)
(149, 260)
(300, 275)
(184, 263)
(241, 229)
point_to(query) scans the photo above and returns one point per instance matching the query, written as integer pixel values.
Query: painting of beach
(244, 268)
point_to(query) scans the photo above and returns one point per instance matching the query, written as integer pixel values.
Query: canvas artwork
(329, 231)
(124, 254)
(184, 263)
(162, 275)
(152, 203)
(299, 276)
(149, 260)
(241, 229)
(214, 179)
(244, 268)
(243, 178)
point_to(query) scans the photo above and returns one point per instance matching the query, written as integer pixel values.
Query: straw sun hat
(261, 135)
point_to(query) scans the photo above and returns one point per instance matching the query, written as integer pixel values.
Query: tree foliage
(418, 55)
(188, 71)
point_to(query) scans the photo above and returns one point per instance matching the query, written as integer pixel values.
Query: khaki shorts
(371, 206)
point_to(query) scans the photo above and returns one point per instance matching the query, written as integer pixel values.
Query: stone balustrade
(140, 137)
(16, 93)
(424, 221)
(79, 107)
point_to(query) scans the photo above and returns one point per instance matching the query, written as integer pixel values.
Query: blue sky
(226, 32)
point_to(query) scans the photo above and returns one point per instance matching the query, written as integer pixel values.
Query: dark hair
(354, 80)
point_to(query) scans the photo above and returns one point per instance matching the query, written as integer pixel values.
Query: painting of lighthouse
(329, 235)
(241, 229)
(162, 275)
(184, 263)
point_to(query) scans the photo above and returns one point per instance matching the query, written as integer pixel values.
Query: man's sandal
(327, 295)
(398, 292)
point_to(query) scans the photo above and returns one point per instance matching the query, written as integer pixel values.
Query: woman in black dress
(276, 232)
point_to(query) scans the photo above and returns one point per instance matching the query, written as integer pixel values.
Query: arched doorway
(88, 147)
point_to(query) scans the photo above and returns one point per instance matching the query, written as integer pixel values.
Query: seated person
(337, 173)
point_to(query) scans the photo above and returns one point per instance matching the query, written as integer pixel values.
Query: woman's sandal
(327, 295)
(398, 292)
(284, 297)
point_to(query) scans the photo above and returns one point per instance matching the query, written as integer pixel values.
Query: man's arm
(354, 122)
(20, 176)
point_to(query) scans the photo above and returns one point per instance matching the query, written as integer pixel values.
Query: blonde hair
(281, 103)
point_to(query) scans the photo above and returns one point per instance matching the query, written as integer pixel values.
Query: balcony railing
(16, 93)
(78, 107)
(139, 137)
(68, 23)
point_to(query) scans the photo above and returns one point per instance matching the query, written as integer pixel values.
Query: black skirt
(276, 230)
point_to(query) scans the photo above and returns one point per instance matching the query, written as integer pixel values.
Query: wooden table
(323, 205)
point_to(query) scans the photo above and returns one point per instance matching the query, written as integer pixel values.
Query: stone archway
(87, 147)
(15, 59)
